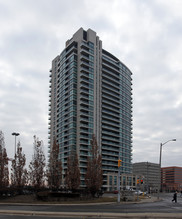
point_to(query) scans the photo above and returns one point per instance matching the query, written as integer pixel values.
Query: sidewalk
(149, 199)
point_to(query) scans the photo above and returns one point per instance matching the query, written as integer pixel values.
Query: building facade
(171, 179)
(150, 173)
(128, 181)
(91, 93)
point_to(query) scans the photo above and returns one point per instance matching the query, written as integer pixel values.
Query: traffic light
(119, 163)
(141, 181)
(138, 181)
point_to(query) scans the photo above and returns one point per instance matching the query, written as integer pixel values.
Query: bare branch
(37, 165)
(93, 177)
(55, 167)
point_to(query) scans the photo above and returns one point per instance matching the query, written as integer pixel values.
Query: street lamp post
(15, 134)
(160, 157)
(148, 165)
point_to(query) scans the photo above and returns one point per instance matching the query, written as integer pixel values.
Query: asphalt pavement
(146, 208)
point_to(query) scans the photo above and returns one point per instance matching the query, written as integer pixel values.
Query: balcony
(109, 122)
(110, 133)
(110, 76)
(110, 98)
(112, 69)
(110, 117)
(111, 108)
(110, 138)
(112, 87)
(84, 119)
(115, 63)
(113, 95)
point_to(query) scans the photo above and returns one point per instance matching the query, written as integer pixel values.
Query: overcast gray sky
(145, 35)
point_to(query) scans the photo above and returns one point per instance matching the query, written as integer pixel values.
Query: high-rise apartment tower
(91, 93)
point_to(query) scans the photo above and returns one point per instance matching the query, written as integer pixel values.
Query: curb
(94, 214)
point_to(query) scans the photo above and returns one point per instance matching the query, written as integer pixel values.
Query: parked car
(138, 192)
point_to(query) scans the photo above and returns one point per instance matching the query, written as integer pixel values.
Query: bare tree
(37, 165)
(18, 170)
(55, 167)
(73, 172)
(4, 171)
(93, 177)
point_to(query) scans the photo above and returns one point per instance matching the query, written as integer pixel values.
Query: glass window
(110, 180)
(115, 180)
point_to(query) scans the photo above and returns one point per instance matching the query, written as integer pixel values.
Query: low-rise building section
(150, 172)
(171, 179)
(127, 182)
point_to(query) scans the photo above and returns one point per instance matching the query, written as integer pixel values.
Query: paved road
(23, 217)
(165, 206)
